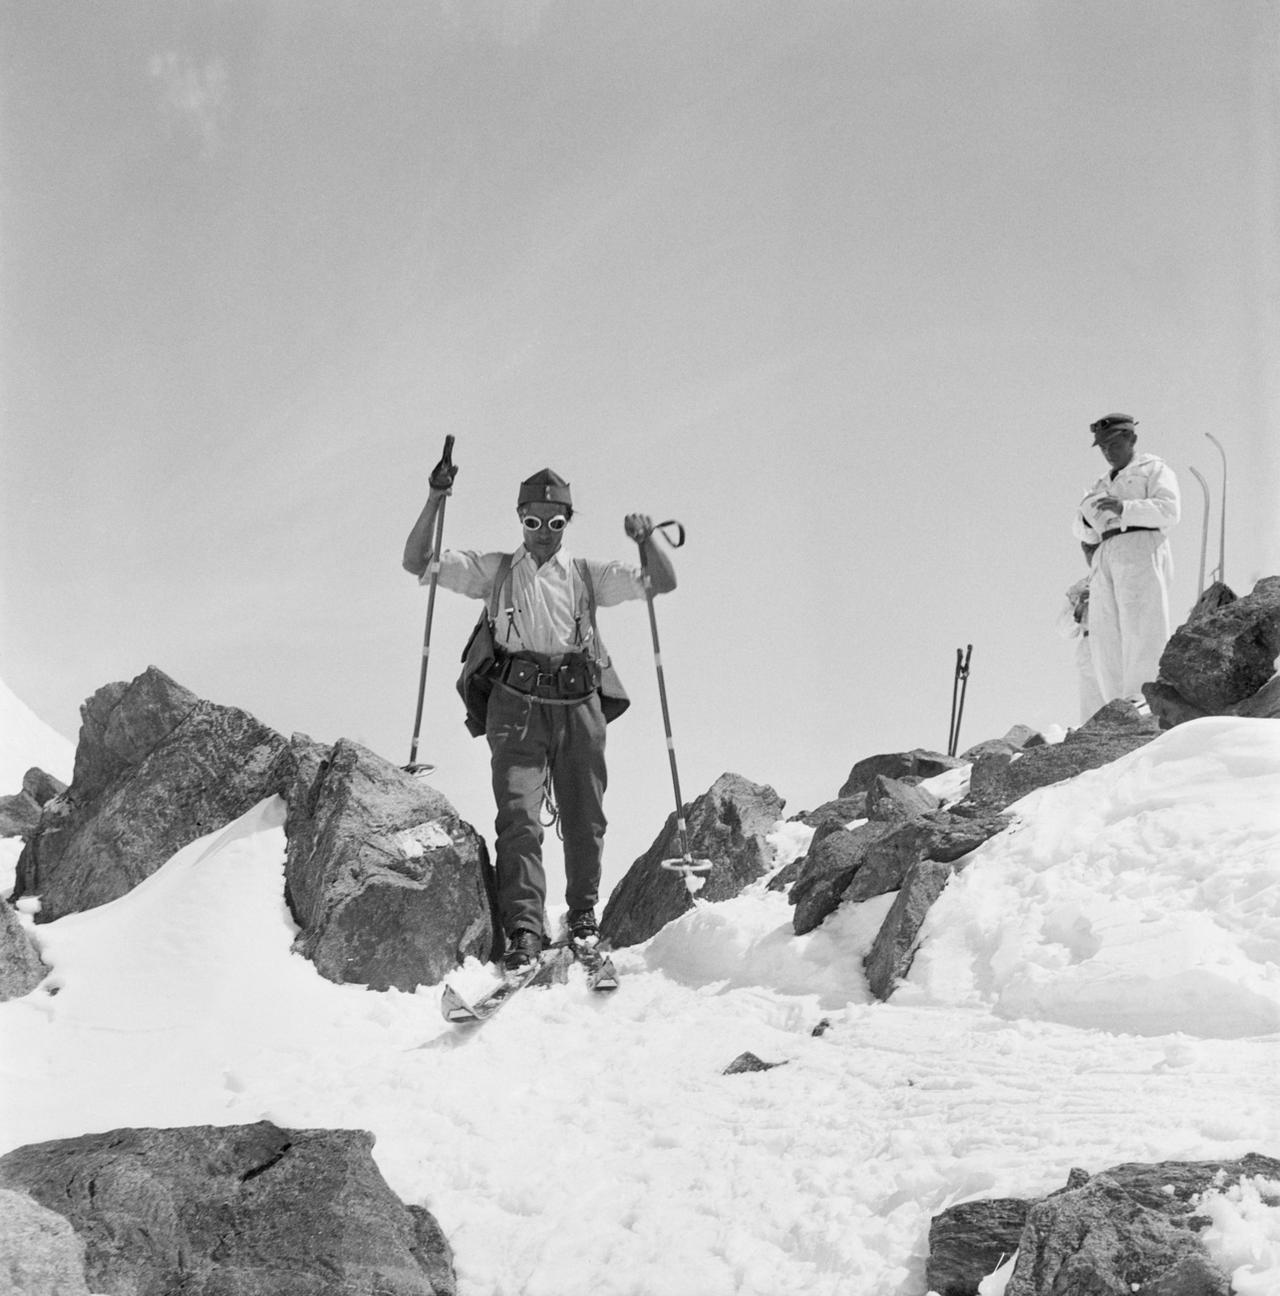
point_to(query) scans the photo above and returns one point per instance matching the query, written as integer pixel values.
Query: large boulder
(874, 858)
(156, 768)
(998, 781)
(388, 885)
(1134, 1227)
(21, 968)
(894, 948)
(250, 1209)
(1220, 658)
(729, 825)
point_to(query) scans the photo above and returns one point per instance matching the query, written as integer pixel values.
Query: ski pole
(962, 682)
(1222, 513)
(955, 693)
(1204, 530)
(437, 542)
(685, 865)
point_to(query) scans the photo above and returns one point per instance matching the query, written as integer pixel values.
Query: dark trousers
(526, 738)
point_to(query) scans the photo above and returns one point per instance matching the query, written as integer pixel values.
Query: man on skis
(1127, 513)
(544, 720)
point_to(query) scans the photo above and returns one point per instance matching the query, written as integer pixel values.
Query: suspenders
(502, 580)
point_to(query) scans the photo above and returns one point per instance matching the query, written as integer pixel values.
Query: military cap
(545, 487)
(1110, 423)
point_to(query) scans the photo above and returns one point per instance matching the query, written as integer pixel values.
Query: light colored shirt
(1149, 493)
(542, 609)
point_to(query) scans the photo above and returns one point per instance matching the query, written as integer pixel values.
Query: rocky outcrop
(970, 1241)
(40, 1254)
(156, 768)
(998, 781)
(388, 886)
(1134, 1227)
(917, 764)
(20, 813)
(250, 1209)
(912, 846)
(21, 968)
(894, 948)
(1217, 661)
(875, 857)
(728, 825)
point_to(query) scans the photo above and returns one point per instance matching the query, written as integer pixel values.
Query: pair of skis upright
(602, 978)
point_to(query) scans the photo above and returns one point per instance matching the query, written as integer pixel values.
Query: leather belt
(1107, 535)
(567, 677)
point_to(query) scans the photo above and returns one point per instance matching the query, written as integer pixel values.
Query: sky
(1100, 985)
(840, 286)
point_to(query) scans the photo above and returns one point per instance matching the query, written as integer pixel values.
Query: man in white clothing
(1127, 513)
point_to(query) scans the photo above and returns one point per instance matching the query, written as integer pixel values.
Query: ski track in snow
(579, 1143)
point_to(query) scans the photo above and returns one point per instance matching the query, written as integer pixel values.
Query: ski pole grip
(444, 472)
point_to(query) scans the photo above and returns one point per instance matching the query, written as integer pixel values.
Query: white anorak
(1129, 621)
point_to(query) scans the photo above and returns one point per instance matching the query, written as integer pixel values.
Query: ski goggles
(557, 523)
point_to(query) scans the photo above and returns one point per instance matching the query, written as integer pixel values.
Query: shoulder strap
(499, 580)
(584, 573)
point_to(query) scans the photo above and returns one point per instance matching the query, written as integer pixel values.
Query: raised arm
(418, 546)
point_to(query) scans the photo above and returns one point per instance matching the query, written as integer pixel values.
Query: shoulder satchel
(479, 657)
(613, 697)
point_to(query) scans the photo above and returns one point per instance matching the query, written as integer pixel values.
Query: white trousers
(1129, 611)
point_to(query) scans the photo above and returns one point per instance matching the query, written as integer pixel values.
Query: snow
(1098, 985)
(1139, 897)
(26, 741)
(1243, 1236)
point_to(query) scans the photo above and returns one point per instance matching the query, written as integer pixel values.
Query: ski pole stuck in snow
(685, 865)
(1222, 513)
(1204, 530)
(959, 686)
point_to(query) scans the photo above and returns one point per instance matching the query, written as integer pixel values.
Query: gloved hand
(639, 526)
(444, 472)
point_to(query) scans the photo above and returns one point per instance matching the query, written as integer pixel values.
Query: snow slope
(25, 740)
(1099, 985)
